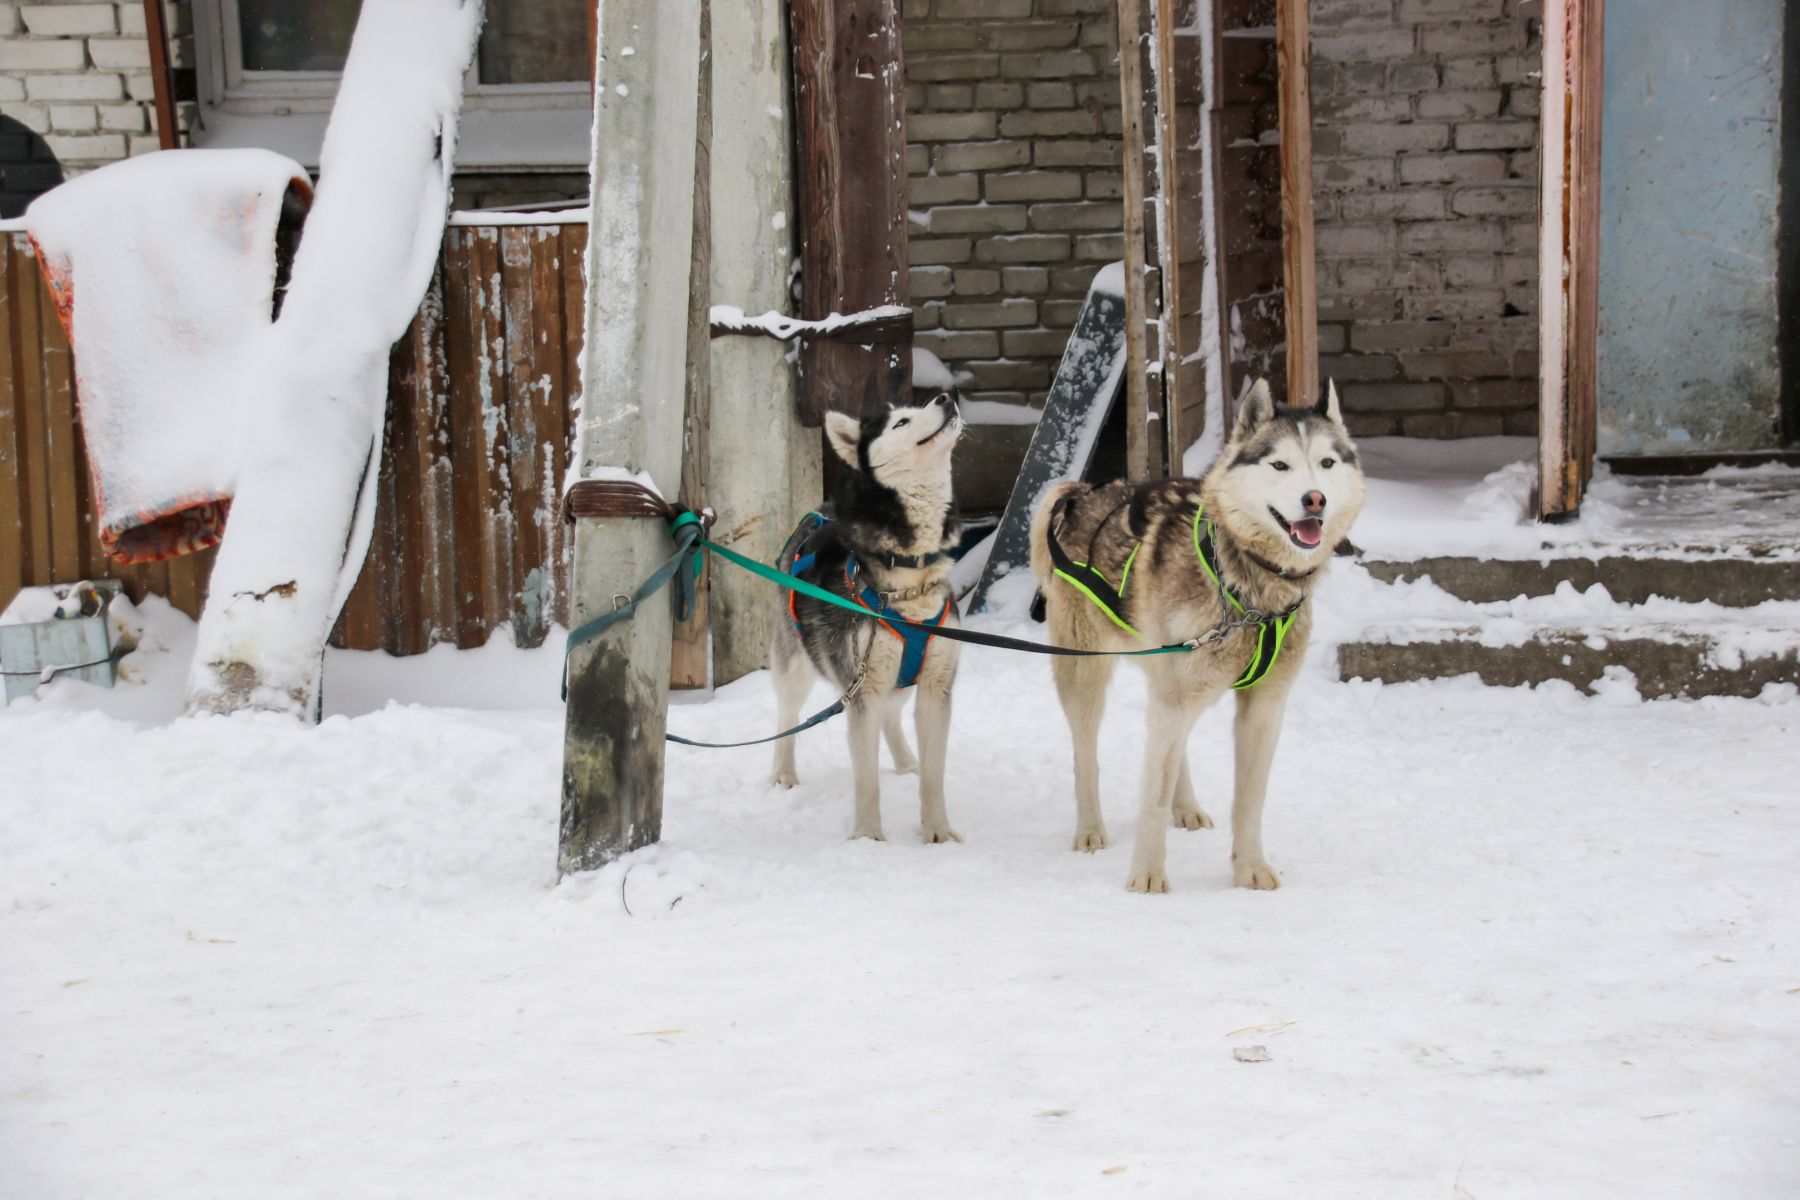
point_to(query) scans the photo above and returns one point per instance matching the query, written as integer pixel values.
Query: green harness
(1271, 628)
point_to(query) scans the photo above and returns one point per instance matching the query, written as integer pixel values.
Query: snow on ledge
(552, 216)
(731, 317)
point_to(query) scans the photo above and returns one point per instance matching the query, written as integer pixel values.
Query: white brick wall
(1012, 125)
(76, 74)
(1424, 151)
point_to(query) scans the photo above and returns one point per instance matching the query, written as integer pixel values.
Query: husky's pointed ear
(844, 433)
(1256, 408)
(1327, 406)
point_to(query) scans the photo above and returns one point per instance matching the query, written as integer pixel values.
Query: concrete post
(763, 468)
(633, 387)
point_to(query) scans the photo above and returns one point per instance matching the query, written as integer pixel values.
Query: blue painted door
(1689, 203)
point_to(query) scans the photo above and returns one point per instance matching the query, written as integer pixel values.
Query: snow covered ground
(1472, 496)
(1529, 945)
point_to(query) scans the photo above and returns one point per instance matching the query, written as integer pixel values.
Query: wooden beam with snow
(1168, 231)
(850, 113)
(640, 252)
(308, 471)
(1568, 254)
(1293, 50)
(1139, 461)
(763, 465)
(690, 662)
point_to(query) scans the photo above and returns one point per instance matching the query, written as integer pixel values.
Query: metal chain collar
(1228, 625)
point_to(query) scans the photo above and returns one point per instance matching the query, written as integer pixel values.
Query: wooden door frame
(1569, 253)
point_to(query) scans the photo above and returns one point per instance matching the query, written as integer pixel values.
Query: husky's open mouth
(1304, 533)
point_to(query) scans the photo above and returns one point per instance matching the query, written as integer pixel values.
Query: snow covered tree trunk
(633, 384)
(304, 500)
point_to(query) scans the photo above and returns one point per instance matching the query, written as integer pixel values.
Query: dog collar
(1275, 569)
(909, 561)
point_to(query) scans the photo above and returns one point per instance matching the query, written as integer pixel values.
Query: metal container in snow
(76, 642)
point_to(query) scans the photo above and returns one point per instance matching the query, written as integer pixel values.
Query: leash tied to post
(628, 498)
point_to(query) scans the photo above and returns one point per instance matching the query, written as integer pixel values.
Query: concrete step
(1737, 582)
(1667, 660)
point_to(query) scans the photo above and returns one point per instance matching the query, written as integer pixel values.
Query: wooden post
(1568, 253)
(850, 113)
(640, 250)
(1293, 50)
(1138, 436)
(1168, 233)
(764, 465)
(689, 663)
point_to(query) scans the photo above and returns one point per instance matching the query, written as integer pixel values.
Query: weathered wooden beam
(691, 656)
(1168, 231)
(1138, 435)
(1568, 253)
(635, 370)
(1293, 51)
(850, 115)
(764, 466)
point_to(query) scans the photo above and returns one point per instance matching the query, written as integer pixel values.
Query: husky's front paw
(872, 832)
(785, 779)
(937, 835)
(1089, 840)
(1147, 879)
(1192, 818)
(1258, 875)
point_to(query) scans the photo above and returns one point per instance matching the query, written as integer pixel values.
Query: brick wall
(77, 76)
(1425, 162)
(1013, 162)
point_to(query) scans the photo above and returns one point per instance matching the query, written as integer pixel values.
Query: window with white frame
(269, 70)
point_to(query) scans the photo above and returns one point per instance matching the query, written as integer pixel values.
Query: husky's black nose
(941, 399)
(1314, 502)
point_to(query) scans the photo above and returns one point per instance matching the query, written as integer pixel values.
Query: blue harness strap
(916, 641)
(796, 559)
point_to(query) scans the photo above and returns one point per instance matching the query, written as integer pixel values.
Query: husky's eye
(1279, 465)
(1325, 464)
(903, 422)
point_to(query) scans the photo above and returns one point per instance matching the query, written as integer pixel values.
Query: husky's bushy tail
(1040, 528)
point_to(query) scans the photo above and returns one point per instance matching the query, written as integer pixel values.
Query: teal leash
(691, 543)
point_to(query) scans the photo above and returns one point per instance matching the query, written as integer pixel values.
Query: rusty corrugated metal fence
(481, 399)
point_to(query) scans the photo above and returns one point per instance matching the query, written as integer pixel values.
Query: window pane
(535, 41)
(285, 35)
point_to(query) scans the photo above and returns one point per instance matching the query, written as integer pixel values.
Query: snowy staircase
(1697, 622)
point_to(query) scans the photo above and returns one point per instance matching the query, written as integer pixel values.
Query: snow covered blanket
(1530, 946)
(163, 270)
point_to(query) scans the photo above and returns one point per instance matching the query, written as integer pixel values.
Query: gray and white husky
(1183, 560)
(887, 547)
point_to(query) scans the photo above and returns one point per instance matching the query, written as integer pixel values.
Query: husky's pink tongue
(1308, 531)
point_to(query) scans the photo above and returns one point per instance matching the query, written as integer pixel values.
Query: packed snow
(1528, 944)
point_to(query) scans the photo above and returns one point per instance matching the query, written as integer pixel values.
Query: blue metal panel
(1688, 227)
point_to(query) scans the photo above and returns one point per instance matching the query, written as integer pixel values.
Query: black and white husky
(1228, 561)
(887, 548)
